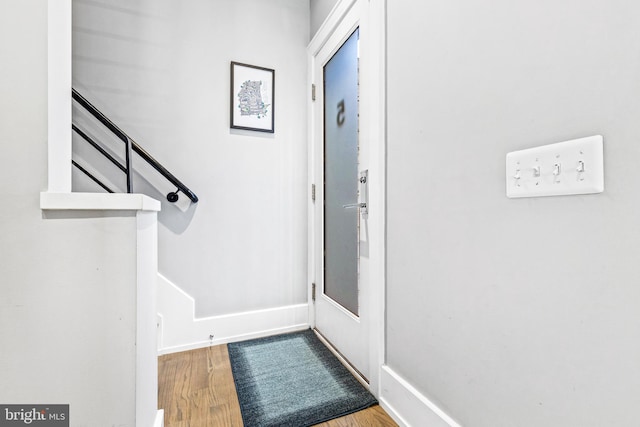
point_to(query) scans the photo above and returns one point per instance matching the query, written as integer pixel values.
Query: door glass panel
(341, 175)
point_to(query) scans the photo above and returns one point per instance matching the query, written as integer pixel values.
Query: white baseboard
(407, 406)
(180, 330)
(159, 422)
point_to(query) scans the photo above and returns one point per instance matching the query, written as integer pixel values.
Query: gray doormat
(293, 380)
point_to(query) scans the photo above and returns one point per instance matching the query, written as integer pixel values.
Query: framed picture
(252, 97)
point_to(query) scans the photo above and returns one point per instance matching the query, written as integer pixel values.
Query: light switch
(563, 168)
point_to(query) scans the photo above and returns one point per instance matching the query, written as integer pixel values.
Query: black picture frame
(252, 97)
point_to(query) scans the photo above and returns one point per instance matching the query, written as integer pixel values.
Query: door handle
(355, 205)
(364, 194)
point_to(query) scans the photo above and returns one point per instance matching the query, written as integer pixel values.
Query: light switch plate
(569, 167)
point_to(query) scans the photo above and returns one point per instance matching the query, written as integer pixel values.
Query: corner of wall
(406, 405)
(180, 330)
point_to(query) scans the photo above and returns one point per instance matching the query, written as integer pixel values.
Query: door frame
(372, 23)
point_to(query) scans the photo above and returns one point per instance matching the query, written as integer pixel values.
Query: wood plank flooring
(196, 389)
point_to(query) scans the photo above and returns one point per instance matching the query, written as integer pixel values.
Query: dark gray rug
(293, 380)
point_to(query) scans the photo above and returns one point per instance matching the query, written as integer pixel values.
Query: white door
(339, 215)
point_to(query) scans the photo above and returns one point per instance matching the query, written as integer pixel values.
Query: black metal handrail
(131, 145)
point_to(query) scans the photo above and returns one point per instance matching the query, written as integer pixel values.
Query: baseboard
(159, 422)
(407, 406)
(180, 330)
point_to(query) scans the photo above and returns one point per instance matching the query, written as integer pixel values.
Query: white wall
(160, 69)
(319, 11)
(513, 312)
(68, 316)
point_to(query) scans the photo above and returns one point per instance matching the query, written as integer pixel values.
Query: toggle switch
(536, 171)
(556, 173)
(580, 170)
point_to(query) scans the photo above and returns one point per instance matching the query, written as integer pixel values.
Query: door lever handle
(363, 195)
(355, 205)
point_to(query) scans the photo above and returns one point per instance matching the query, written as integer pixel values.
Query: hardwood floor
(196, 389)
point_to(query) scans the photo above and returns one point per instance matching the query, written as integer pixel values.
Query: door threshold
(357, 374)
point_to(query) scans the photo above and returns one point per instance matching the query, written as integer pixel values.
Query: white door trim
(373, 129)
(376, 133)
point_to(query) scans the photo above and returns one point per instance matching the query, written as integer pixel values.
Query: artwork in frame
(252, 97)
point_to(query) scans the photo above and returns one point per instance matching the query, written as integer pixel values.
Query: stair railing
(131, 145)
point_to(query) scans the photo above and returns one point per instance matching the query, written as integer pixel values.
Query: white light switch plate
(570, 167)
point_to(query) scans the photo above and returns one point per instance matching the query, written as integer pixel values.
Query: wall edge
(407, 406)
